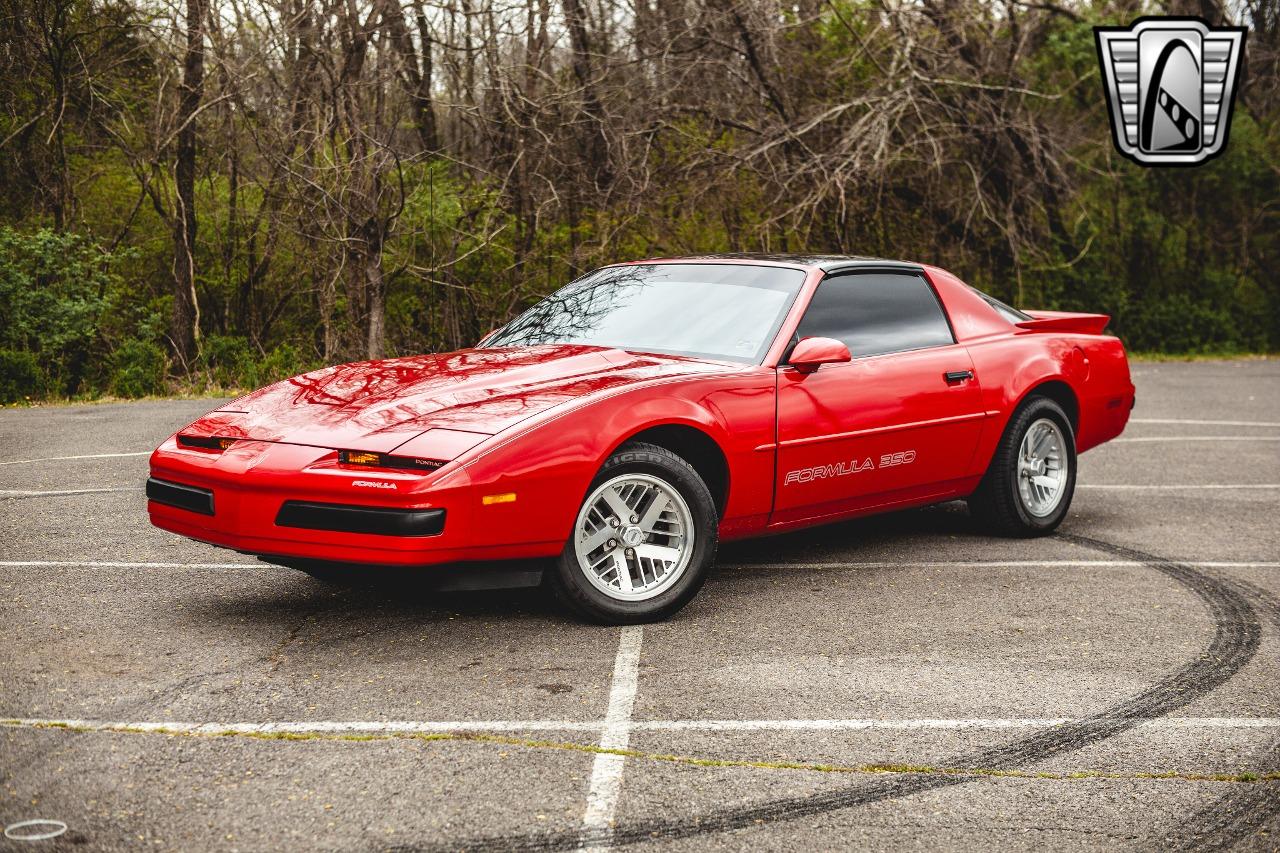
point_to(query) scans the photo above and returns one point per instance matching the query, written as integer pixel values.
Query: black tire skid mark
(1236, 638)
(1244, 810)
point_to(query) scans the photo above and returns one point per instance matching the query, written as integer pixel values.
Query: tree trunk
(184, 327)
(424, 110)
(596, 148)
(376, 290)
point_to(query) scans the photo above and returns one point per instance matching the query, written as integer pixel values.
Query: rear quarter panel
(1107, 396)
(1093, 367)
(1011, 363)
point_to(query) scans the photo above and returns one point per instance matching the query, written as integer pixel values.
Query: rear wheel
(1028, 487)
(643, 541)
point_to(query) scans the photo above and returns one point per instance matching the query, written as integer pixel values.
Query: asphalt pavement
(902, 682)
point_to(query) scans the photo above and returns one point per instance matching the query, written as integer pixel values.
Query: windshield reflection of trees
(573, 312)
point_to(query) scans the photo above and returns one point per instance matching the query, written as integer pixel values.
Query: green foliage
(20, 376)
(227, 359)
(281, 362)
(54, 288)
(138, 369)
(231, 362)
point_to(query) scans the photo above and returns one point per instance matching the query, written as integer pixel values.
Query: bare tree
(184, 326)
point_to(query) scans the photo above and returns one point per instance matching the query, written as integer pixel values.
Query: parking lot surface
(900, 682)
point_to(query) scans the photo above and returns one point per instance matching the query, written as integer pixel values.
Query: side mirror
(812, 353)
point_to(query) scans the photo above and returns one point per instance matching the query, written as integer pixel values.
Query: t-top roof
(827, 263)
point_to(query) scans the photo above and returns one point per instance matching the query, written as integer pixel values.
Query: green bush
(54, 289)
(227, 359)
(1178, 324)
(282, 362)
(232, 362)
(20, 376)
(138, 369)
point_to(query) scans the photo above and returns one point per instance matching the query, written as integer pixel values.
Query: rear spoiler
(1065, 321)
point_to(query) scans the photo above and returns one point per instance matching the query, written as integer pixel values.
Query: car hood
(378, 405)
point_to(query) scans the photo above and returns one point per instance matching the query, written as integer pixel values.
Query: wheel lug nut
(613, 522)
(613, 543)
(635, 519)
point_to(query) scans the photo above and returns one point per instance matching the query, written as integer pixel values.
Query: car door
(898, 422)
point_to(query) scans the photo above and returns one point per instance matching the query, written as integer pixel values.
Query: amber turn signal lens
(386, 460)
(224, 443)
(504, 498)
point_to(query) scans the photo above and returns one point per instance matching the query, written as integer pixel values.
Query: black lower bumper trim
(190, 498)
(344, 518)
(447, 577)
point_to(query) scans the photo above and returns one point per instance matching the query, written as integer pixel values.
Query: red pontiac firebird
(619, 429)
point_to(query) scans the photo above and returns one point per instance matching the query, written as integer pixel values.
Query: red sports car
(619, 429)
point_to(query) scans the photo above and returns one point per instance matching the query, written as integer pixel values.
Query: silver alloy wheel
(634, 537)
(1042, 468)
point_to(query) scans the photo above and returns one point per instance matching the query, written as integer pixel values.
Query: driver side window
(874, 313)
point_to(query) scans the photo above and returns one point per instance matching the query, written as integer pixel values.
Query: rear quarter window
(1013, 315)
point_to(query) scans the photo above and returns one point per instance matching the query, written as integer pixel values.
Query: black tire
(567, 580)
(998, 504)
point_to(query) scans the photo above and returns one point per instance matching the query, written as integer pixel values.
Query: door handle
(954, 376)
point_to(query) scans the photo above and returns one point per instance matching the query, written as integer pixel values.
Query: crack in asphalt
(176, 688)
(1237, 635)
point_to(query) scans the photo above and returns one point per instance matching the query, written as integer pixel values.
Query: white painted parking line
(997, 564)
(898, 725)
(1204, 423)
(1175, 488)
(23, 493)
(317, 727)
(857, 564)
(412, 727)
(109, 564)
(83, 456)
(1151, 438)
(606, 771)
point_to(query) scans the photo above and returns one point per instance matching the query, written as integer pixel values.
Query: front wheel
(1032, 478)
(643, 541)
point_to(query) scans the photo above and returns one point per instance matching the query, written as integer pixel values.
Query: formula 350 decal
(853, 466)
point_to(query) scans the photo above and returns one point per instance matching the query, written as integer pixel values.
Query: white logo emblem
(372, 484)
(1170, 85)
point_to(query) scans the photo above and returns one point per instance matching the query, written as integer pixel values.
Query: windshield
(720, 311)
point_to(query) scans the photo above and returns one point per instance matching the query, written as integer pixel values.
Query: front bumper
(295, 501)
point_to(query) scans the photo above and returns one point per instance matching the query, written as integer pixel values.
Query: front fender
(550, 464)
